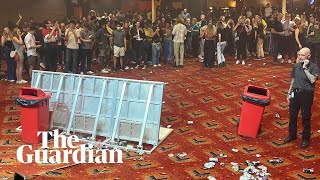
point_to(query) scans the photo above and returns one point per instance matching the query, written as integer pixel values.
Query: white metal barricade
(118, 109)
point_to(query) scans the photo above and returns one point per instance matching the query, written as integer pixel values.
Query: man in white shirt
(72, 48)
(31, 46)
(179, 31)
(268, 10)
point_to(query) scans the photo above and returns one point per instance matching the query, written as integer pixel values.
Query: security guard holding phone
(300, 95)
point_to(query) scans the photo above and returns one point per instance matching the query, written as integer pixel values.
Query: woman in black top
(221, 43)
(229, 38)
(6, 42)
(156, 46)
(299, 34)
(241, 40)
(260, 38)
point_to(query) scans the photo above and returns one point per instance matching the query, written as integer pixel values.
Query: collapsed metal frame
(112, 137)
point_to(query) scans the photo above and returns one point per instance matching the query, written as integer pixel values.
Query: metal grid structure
(118, 109)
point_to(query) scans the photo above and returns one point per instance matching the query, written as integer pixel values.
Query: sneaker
(243, 62)
(104, 70)
(126, 68)
(282, 61)
(159, 65)
(24, 81)
(90, 72)
(137, 66)
(237, 62)
(263, 58)
(11, 80)
(82, 73)
(154, 65)
(42, 65)
(131, 68)
(279, 56)
(121, 69)
(257, 58)
(144, 67)
(289, 61)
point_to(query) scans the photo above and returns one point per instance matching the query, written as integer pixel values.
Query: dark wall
(38, 9)
(195, 7)
(101, 6)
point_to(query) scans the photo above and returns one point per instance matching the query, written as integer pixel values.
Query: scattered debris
(182, 154)
(264, 64)
(170, 155)
(234, 150)
(235, 166)
(209, 165)
(258, 155)
(163, 102)
(190, 122)
(141, 159)
(277, 115)
(169, 126)
(318, 131)
(223, 155)
(211, 178)
(213, 160)
(222, 164)
(277, 160)
(308, 170)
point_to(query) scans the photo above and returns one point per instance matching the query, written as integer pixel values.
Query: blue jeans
(168, 48)
(155, 55)
(71, 60)
(11, 65)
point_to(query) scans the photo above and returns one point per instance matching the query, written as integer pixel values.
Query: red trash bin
(255, 99)
(34, 113)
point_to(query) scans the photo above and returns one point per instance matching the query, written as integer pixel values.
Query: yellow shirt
(149, 33)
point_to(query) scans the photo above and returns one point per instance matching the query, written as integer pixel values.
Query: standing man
(119, 46)
(72, 51)
(30, 42)
(179, 31)
(277, 32)
(300, 95)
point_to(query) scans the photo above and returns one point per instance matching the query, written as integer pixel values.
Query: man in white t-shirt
(72, 48)
(268, 10)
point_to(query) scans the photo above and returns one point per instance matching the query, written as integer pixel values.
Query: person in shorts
(119, 46)
(31, 46)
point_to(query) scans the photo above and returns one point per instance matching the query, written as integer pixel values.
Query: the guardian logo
(87, 154)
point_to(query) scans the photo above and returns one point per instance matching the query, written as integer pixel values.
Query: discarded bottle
(308, 170)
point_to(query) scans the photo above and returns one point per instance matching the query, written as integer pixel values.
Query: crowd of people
(123, 41)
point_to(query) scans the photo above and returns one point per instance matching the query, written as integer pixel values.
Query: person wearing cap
(31, 47)
(300, 96)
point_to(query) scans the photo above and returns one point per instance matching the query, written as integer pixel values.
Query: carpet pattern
(211, 98)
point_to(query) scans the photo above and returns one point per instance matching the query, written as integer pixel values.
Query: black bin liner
(29, 103)
(256, 101)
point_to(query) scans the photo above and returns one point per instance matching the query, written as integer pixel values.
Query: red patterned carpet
(210, 98)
